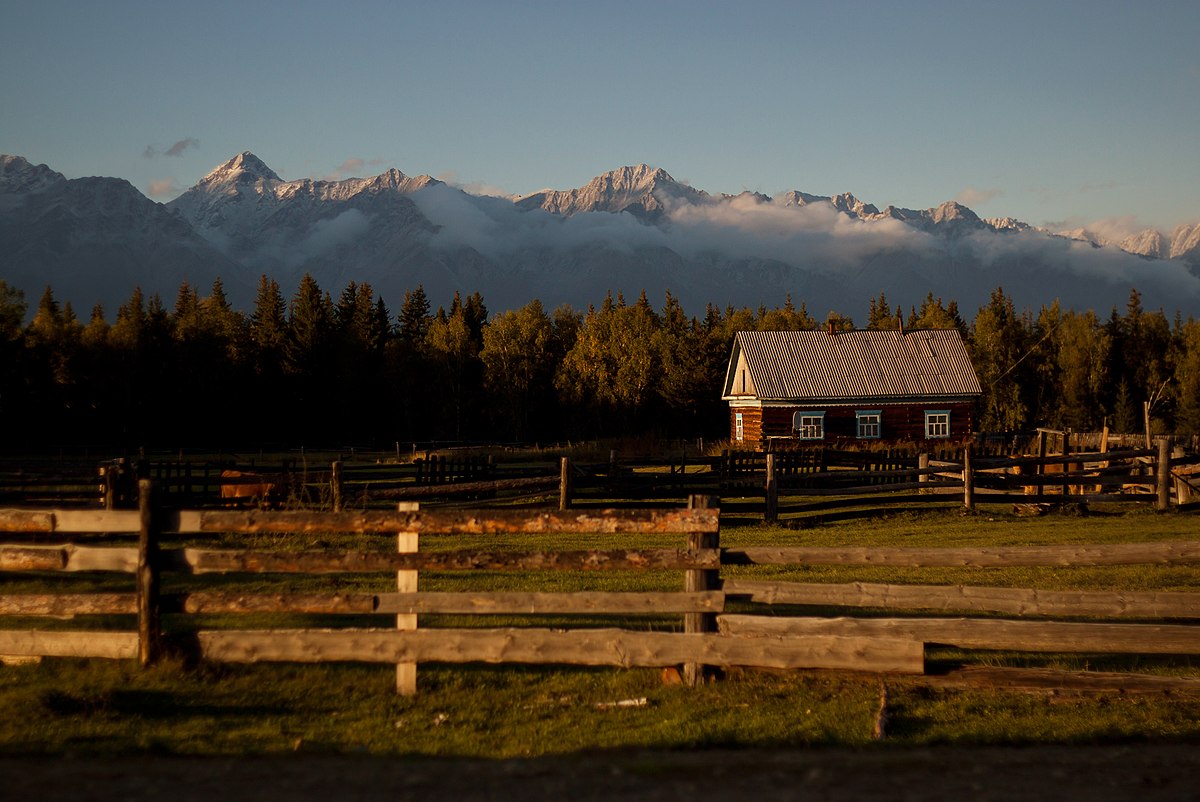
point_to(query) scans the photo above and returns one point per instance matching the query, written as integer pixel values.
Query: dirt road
(1154, 771)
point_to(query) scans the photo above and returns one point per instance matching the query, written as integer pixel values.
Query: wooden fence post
(968, 475)
(564, 483)
(1041, 466)
(406, 582)
(771, 492)
(698, 581)
(335, 485)
(1146, 420)
(923, 464)
(1066, 466)
(107, 490)
(1162, 475)
(1182, 489)
(148, 606)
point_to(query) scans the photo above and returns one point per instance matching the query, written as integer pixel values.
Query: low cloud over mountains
(631, 229)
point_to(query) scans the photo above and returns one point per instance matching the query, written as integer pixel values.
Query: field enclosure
(645, 587)
(804, 484)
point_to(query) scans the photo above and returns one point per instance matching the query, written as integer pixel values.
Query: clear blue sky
(1050, 112)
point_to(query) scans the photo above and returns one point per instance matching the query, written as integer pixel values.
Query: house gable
(739, 382)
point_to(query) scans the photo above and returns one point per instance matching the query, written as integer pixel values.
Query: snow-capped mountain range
(635, 228)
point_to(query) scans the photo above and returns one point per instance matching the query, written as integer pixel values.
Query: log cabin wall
(898, 422)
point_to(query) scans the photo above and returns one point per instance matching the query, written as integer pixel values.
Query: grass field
(99, 707)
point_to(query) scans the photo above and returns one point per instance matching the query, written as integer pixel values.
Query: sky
(1062, 114)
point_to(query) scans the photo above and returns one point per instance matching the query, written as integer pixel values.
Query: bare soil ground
(1143, 771)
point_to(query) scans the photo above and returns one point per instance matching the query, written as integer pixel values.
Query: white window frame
(937, 424)
(739, 427)
(865, 428)
(809, 425)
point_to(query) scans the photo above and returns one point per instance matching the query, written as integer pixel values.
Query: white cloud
(163, 188)
(473, 187)
(329, 234)
(972, 196)
(176, 150)
(347, 169)
(182, 145)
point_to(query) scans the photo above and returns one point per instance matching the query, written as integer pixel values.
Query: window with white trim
(868, 424)
(809, 425)
(937, 423)
(739, 428)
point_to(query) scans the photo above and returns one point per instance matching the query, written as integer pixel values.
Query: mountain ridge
(632, 228)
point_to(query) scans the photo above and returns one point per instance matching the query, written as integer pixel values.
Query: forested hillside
(349, 370)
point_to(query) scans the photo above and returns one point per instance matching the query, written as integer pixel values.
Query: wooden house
(849, 386)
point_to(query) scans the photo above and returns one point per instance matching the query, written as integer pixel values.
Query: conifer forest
(315, 368)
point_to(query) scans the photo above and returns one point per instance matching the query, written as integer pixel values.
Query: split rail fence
(701, 630)
(1162, 476)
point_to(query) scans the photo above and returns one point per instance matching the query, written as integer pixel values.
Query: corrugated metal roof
(786, 365)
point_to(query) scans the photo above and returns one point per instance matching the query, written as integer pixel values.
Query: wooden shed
(839, 386)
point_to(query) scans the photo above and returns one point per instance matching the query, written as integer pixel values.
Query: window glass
(937, 424)
(809, 425)
(868, 425)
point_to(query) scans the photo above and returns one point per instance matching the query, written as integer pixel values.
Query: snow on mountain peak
(241, 168)
(637, 189)
(953, 210)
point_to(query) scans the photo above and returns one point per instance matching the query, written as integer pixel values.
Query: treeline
(319, 370)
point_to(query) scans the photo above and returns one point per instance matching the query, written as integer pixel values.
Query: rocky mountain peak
(797, 198)
(1149, 242)
(851, 205)
(1005, 224)
(637, 189)
(953, 210)
(18, 175)
(242, 168)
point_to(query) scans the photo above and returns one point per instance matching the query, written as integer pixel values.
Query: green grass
(74, 706)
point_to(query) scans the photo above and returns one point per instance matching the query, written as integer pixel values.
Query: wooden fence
(1161, 476)
(171, 552)
(695, 643)
(975, 624)
(832, 479)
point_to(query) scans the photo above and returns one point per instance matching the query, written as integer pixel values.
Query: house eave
(850, 401)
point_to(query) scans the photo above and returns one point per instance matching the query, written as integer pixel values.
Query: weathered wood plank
(244, 561)
(534, 603)
(466, 488)
(702, 581)
(409, 603)
(596, 647)
(216, 601)
(1183, 552)
(69, 557)
(67, 603)
(26, 521)
(407, 582)
(983, 633)
(36, 643)
(91, 521)
(1058, 682)
(1012, 601)
(491, 522)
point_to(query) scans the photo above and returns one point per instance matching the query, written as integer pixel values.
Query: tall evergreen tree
(998, 345)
